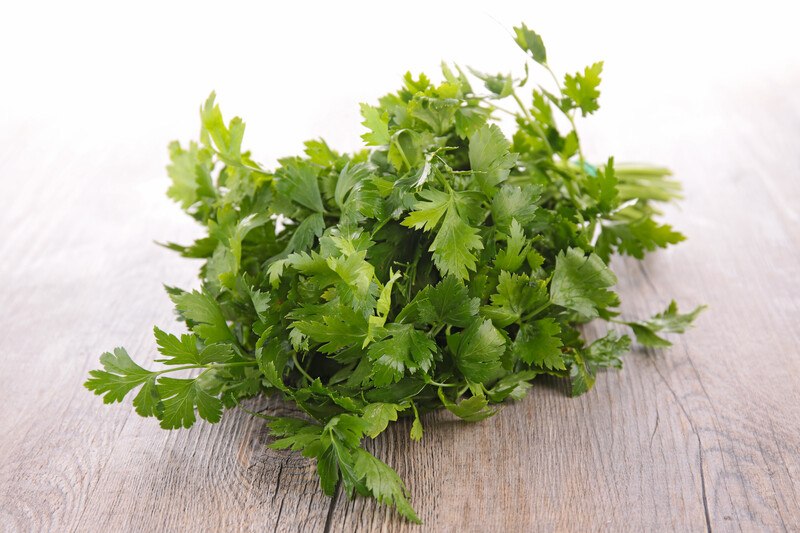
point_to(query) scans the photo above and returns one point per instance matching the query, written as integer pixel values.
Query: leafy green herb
(445, 266)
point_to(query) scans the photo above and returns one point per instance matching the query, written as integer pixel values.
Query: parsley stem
(300, 368)
(207, 367)
(399, 148)
(377, 227)
(570, 118)
(534, 124)
(437, 384)
(435, 331)
(536, 311)
(552, 75)
(498, 108)
(522, 106)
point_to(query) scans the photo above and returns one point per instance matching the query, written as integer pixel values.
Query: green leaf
(382, 308)
(472, 409)
(226, 140)
(148, 401)
(455, 240)
(303, 237)
(606, 351)
(581, 376)
(349, 182)
(516, 251)
(328, 471)
(377, 123)
(582, 90)
(378, 415)
(297, 180)
(190, 172)
(119, 377)
(180, 397)
(531, 42)
(404, 348)
(416, 425)
(668, 321)
(383, 483)
(447, 302)
(602, 187)
(428, 212)
(454, 244)
(357, 287)
(184, 351)
(514, 203)
(517, 295)
(539, 344)
(232, 235)
(514, 386)
(581, 283)
(272, 359)
(490, 158)
(477, 350)
(295, 434)
(204, 316)
(337, 330)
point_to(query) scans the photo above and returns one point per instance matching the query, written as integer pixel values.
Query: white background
(95, 75)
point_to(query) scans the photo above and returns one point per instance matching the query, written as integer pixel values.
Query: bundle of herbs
(442, 267)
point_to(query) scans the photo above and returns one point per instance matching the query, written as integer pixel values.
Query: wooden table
(702, 436)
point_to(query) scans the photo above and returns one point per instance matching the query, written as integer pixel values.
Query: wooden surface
(702, 436)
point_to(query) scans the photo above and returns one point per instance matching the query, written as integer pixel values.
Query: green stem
(300, 368)
(435, 331)
(552, 75)
(210, 366)
(498, 108)
(521, 106)
(402, 153)
(437, 384)
(570, 118)
(535, 125)
(378, 227)
(536, 311)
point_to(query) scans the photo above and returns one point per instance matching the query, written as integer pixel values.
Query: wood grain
(703, 436)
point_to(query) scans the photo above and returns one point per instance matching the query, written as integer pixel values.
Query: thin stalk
(437, 384)
(300, 368)
(536, 311)
(210, 366)
(435, 331)
(570, 118)
(535, 125)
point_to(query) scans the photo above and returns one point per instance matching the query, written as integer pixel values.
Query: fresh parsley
(444, 266)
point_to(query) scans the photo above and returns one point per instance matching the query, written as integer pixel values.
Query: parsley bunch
(444, 266)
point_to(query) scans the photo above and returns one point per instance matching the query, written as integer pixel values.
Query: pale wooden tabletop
(702, 436)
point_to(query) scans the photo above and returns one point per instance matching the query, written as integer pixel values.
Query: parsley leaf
(477, 350)
(581, 89)
(668, 321)
(455, 240)
(539, 344)
(581, 283)
(490, 158)
(119, 376)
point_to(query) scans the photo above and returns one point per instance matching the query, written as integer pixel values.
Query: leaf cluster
(443, 266)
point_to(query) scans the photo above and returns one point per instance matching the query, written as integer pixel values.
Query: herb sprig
(443, 266)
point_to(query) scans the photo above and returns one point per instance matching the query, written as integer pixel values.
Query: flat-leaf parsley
(443, 266)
